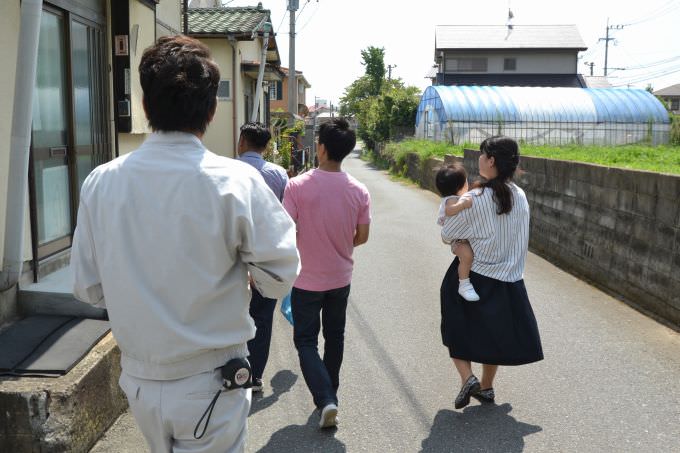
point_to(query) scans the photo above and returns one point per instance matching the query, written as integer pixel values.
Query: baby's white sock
(466, 290)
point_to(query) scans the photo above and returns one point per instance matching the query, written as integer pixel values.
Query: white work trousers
(167, 412)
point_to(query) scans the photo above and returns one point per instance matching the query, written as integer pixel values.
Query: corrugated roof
(500, 37)
(227, 20)
(673, 90)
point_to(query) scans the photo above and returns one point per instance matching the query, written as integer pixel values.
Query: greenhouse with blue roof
(538, 115)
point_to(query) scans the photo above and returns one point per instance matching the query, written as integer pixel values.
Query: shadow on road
(307, 438)
(282, 382)
(488, 428)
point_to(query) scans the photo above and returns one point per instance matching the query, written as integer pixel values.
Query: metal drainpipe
(260, 74)
(233, 43)
(22, 115)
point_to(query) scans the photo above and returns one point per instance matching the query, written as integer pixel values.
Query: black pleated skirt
(498, 329)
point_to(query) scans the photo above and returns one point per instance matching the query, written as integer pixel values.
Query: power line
(303, 8)
(310, 18)
(642, 80)
(655, 75)
(281, 23)
(655, 63)
(662, 11)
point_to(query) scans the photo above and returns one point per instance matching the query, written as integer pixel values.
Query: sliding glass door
(70, 127)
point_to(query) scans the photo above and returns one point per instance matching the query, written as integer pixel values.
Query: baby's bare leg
(465, 255)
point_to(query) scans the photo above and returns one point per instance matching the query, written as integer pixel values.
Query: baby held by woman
(451, 182)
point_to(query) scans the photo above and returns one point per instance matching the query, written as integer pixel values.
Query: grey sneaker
(471, 387)
(485, 395)
(257, 385)
(329, 416)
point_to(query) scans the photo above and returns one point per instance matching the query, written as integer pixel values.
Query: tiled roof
(501, 37)
(299, 76)
(235, 20)
(673, 90)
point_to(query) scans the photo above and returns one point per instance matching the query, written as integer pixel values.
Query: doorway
(70, 133)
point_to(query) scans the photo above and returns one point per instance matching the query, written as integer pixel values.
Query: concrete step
(68, 413)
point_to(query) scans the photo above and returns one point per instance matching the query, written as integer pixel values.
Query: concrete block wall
(617, 228)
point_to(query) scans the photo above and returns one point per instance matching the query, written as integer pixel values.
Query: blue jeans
(262, 312)
(309, 308)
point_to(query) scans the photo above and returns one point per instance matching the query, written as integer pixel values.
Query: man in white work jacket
(166, 239)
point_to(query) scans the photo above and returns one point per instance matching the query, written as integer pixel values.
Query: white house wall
(535, 63)
(251, 50)
(219, 137)
(143, 17)
(168, 18)
(10, 18)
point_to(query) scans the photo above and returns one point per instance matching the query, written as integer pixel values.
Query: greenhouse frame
(542, 115)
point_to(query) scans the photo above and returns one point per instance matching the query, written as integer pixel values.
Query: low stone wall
(617, 228)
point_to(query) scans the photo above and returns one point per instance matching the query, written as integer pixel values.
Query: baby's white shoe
(466, 290)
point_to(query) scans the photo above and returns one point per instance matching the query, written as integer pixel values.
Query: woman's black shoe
(470, 388)
(485, 395)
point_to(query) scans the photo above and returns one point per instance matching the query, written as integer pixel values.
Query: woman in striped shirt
(499, 329)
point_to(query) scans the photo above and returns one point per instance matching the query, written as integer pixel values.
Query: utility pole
(591, 66)
(185, 17)
(316, 113)
(292, 79)
(389, 70)
(606, 40)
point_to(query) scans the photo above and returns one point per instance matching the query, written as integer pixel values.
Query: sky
(331, 34)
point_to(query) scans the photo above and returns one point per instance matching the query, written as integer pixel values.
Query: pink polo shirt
(327, 207)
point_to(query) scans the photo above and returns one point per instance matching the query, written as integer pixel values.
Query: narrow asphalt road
(610, 381)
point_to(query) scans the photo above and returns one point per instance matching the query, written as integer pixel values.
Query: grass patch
(662, 159)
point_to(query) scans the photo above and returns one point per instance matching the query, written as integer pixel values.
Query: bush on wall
(675, 130)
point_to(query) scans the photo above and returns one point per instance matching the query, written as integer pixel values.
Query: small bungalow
(499, 55)
(671, 97)
(242, 42)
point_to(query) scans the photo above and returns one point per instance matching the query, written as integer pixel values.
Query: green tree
(374, 61)
(354, 94)
(383, 108)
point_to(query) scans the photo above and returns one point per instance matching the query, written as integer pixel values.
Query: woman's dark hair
(256, 134)
(179, 80)
(338, 138)
(450, 179)
(505, 152)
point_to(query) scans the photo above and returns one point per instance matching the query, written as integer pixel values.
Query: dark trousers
(262, 312)
(311, 310)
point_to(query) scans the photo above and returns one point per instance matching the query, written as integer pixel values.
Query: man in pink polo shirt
(332, 213)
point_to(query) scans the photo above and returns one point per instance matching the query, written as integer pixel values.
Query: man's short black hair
(338, 138)
(256, 134)
(179, 80)
(450, 179)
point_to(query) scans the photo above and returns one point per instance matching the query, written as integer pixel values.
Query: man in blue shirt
(251, 144)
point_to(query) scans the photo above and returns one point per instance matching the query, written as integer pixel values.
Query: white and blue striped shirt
(499, 242)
